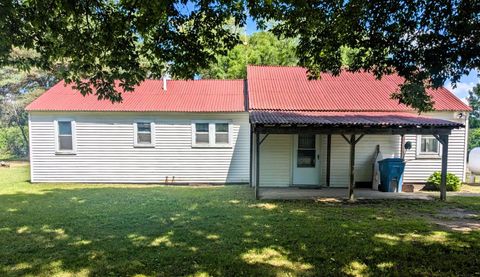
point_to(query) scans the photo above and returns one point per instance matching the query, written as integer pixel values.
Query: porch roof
(354, 120)
(352, 124)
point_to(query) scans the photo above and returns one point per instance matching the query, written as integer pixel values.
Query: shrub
(453, 182)
(12, 145)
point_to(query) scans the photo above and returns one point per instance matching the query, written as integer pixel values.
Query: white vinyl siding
(106, 152)
(276, 160)
(364, 152)
(419, 169)
(277, 150)
(339, 165)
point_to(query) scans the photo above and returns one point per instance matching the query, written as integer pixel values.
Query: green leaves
(17, 89)
(424, 41)
(474, 101)
(414, 95)
(473, 138)
(104, 41)
(453, 182)
(261, 48)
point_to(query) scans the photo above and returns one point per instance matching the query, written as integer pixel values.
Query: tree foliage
(12, 144)
(261, 48)
(473, 138)
(103, 41)
(474, 102)
(17, 89)
(425, 41)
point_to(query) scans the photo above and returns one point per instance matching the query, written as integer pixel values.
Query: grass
(128, 230)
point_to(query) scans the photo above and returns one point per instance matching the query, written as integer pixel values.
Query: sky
(466, 83)
(251, 26)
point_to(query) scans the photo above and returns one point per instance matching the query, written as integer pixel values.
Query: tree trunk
(25, 139)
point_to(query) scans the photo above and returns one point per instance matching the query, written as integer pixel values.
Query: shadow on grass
(220, 231)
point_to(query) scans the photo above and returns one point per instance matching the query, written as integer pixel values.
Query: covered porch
(350, 127)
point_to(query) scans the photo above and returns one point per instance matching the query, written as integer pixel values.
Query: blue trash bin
(391, 174)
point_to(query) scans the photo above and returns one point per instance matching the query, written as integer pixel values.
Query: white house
(204, 131)
(189, 131)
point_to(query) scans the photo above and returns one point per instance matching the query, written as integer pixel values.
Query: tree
(103, 41)
(424, 41)
(474, 118)
(474, 101)
(17, 89)
(261, 48)
(473, 138)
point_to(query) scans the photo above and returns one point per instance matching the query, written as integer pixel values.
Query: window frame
(152, 134)
(73, 125)
(428, 155)
(212, 134)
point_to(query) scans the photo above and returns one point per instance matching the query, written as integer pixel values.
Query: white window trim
(152, 135)
(58, 151)
(432, 155)
(211, 134)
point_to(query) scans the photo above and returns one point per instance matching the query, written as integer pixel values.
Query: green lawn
(86, 230)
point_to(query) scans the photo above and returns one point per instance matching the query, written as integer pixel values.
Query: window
(65, 136)
(211, 134)
(221, 133)
(202, 133)
(306, 151)
(144, 134)
(428, 146)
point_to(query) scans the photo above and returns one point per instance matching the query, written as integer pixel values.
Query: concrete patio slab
(326, 194)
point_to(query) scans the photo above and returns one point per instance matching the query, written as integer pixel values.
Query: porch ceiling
(349, 122)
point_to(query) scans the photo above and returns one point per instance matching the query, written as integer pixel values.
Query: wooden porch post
(402, 146)
(443, 182)
(329, 157)
(257, 164)
(352, 141)
(251, 157)
(352, 167)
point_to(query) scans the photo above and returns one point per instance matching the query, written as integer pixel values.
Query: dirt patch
(456, 219)
(457, 213)
(461, 225)
(8, 164)
(475, 188)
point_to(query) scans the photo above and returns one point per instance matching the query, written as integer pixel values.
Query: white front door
(306, 164)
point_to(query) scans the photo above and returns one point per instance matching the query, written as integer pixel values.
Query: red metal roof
(288, 88)
(269, 88)
(351, 119)
(180, 96)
